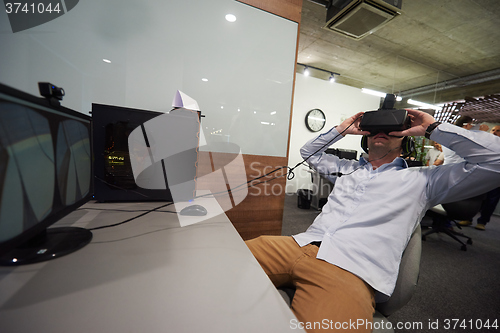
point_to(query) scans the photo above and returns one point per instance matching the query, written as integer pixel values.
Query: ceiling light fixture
(424, 105)
(106, 61)
(306, 71)
(373, 92)
(378, 93)
(230, 18)
(332, 78)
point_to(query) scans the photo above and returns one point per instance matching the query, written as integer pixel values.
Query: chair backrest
(406, 283)
(464, 209)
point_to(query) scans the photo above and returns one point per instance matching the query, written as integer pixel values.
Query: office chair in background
(454, 211)
(406, 284)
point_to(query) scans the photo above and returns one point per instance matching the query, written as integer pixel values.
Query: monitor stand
(50, 244)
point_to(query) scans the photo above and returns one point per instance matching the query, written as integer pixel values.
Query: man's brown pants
(327, 297)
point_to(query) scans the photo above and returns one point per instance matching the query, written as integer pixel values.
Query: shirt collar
(397, 162)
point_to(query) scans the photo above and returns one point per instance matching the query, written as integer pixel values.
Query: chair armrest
(439, 210)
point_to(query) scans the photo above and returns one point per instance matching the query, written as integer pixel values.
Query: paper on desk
(181, 100)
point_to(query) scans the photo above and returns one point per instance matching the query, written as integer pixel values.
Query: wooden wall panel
(289, 9)
(261, 212)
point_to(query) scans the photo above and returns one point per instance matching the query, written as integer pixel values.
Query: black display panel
(114, 178)
(45, 173)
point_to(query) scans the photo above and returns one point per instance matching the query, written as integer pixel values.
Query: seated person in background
(495, 130)
(435, 154)
(349, 257)
(490, 202)
(439, 160)
(484, 127)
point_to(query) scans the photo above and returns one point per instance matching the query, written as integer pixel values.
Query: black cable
(323, 146)
(121, 210)
(130, 219)
(340, 174)
(290, 175)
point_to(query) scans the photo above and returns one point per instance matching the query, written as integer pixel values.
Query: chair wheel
(463, 248)
(469, 241)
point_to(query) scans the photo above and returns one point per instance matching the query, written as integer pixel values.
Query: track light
(307, 72)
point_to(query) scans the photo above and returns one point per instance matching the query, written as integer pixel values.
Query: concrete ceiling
(436, 51)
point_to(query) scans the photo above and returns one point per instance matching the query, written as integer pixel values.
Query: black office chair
(454, 211)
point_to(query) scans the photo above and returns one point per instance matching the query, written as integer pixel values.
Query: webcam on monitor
(51, 92)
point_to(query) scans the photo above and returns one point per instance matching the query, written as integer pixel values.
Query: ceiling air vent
(358, 18)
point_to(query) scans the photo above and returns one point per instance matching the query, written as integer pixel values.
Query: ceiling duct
(358, 18)
(464, 81)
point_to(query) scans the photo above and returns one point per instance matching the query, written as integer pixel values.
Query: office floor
(456, 288)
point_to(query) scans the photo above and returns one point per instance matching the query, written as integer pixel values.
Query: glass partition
(138, 54)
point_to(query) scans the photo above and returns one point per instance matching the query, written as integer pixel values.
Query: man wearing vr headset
(349, 258)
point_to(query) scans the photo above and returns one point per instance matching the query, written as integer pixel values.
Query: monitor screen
(45, 173)
(114, 178)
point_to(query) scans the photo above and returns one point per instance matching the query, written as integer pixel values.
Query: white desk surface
(148, 275)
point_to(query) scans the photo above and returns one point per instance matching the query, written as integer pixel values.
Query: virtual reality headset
(386, 119)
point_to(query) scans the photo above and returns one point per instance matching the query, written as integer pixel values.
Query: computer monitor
(45, 174)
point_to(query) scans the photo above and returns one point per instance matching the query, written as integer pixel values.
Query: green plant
(420, 153)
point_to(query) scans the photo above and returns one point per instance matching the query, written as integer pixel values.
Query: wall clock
(315, 120)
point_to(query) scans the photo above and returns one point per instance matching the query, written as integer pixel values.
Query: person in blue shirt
(349, 257)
